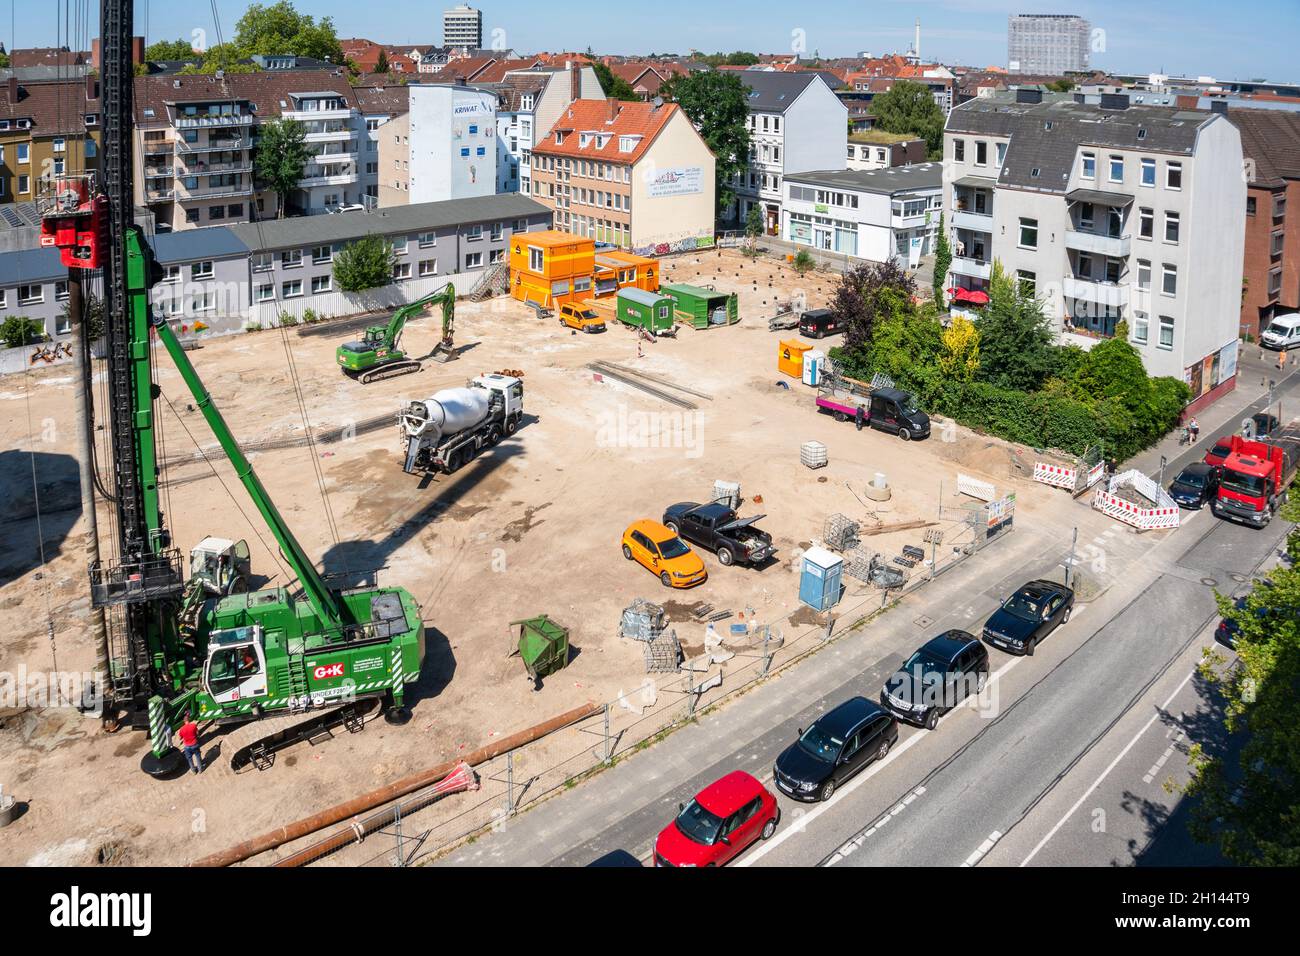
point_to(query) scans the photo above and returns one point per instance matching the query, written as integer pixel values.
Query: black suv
(837, 745)
(1195, 485)
(1028, 616)
(938, 677)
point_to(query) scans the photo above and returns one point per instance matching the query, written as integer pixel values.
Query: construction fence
(425, 824)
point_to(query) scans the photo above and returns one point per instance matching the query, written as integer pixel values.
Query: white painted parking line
(1105, 773)
(983, 848)
(1164, 758)
(857, 842)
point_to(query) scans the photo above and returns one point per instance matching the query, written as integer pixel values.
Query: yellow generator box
(789, 357)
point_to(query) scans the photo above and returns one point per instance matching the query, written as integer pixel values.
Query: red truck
(1256, 475)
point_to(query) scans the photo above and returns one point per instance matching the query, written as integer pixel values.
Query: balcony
(330, 135)
(220, 192)
(1117, 247)
(972, 267)
(212, 122)
(159, 172)
(321, 159)
(1113, 294)
(211, 169)
(159, 195)
(213, 145)
(340, 179)
(156, 147)
(974, 221)
(344, 113)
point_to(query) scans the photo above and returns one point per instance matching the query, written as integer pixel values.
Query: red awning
(969, 296)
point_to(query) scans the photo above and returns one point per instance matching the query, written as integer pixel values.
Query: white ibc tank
(450, 411)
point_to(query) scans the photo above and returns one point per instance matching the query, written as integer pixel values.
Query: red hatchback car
(1219, 453)
(723, 819)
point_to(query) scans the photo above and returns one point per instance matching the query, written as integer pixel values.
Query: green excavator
(377, 355)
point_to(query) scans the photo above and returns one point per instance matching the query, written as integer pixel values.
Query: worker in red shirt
(189, 735)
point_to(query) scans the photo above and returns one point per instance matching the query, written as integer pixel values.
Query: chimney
(1218, 106)
(92, 87)
(575, 80)
(612, 107)
(13, 89)
(137, 50)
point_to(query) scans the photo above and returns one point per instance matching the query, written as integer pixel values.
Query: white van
(1282, 333)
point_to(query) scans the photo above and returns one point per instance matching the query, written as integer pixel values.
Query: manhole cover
(1239, 578)
(1210, 582)
(923, 621)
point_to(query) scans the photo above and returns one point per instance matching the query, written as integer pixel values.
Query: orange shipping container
(551, 268)
(789, 357)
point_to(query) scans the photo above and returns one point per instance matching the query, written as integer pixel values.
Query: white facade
(1049, 44)
(877, 216)
(334, 131)
(453, 143)
(462, 27)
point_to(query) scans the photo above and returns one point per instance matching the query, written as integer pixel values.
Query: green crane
(377, 355)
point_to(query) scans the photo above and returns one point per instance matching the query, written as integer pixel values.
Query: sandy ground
(532, 526)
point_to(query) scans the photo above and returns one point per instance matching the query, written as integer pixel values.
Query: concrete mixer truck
(446, 431)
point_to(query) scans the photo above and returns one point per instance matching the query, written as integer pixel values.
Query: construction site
(614, 429)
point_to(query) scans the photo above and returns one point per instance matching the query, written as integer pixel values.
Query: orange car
(657, 549)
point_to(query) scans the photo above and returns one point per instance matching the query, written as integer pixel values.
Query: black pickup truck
(716, 527)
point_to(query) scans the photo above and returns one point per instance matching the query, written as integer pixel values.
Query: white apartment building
(796, 124)
(444, 147)
(876, 215)
(529, 103)
(377, 105)
(1048, 43)
(1110, 212)
(462, 28)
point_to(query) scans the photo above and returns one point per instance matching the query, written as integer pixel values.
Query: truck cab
(582, 317)
(1256, 475)
(507, 393)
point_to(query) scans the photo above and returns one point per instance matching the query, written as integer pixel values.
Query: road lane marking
(1164, 757)
(983, 848)
(857, 842)
(1105, 773)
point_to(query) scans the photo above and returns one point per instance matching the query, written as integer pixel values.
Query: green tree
(1062, 85)
(281, 156)
(615, 87)
(169, 50)
(864, 295)
(18, 330)
(910, 108)
(718, 104)
(280, 28)
(1016, 337)
(381, 64)
(224, 57)
(92, 313)
(4, 60)
(1249, 805)
(364, 264)
(942, 262)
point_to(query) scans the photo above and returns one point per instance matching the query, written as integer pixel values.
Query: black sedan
(944, 672)
(1195, 485)
(1028, 616)
(837, 745)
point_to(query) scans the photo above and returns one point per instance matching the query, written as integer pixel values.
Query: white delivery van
(1282, 333)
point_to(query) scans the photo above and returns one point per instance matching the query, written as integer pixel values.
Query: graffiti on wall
(688, 244)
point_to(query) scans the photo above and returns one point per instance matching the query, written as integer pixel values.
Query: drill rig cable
(40, 531)
(319, 472)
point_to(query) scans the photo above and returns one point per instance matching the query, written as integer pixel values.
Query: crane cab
(235, 671)
(222, 565)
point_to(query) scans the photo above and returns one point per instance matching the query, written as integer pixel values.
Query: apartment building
(377, 106)
(632, 174)
(444, 147)
(1048, 43)
(876, 149)
(877, 215)
(462, 28)
(796, 124)
(196, 140)
(1270, 139)
(46, 128)
(1110, 213)
(529, 103)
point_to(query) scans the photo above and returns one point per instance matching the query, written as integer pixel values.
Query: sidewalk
(1224, 416)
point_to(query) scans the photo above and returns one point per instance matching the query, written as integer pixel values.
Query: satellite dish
(658, 101)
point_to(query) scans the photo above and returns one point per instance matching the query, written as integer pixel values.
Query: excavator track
(255, 744)
(388, 371)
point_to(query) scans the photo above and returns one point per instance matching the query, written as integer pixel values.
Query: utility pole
(1161, 480)
(1069, 565)
(82, 415)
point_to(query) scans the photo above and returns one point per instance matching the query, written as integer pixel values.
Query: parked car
(1195, 485)
(581, 317)
(1226, 632)
(1219, 453)
(1282, 333)
(1263, 424)
(819, 323)
(723, 819)
(837, 745)
(659, 550)
(1028, 616)
(719, 529)
(935, 679)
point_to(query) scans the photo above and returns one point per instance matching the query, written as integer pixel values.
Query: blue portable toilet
(819, 581)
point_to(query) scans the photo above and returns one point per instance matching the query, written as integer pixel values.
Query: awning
(1099, 197)
(976, 182)
(969, 296)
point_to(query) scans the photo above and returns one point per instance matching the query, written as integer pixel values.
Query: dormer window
(627, 144)
(559, 137)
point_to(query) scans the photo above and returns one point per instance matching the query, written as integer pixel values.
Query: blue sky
(1249, 38)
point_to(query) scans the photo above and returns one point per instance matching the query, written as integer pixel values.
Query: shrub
(18, 330)
(364, 264)
(288, 321)
(253, 327)
(309, 317)
(804, 262)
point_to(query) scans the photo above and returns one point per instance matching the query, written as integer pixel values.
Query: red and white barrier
(1163, 513)
(1056, 475)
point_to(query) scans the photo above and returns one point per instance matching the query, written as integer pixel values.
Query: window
(291, 259)
(535, 259)
(1146, 223)
(1085, 215)
(1148, 172)
(428, 240)
(1144, 276)
(1028, 282)
(1166, 332)
(474, 233)
(4, 298)
(24, 152)
(62, 325)
(496, 255)
(1141, 327)
(59, 144)
(24, 183)
(981, 153)
(321, 284)
(474, 260)
(428, 267)
(291, 289)
(402, 270)
(1174, 176)
(171, 274)
(1089, 166)
(201, 270)
(959, 150)
(1250, 205)
(262, 262)
(1171, 227)
(1276, 247)
(1002, 153)
(204, 302)
(1028, 233)
(1279, 205)
(264, 292)
(1169, 280)
(497, 231)
(399, 246)
(322, 254)
(1117, 169)
(192, 215)
(61, 290)
(216, 212)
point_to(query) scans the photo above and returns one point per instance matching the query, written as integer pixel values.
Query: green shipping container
(649, 310)
(703, 308)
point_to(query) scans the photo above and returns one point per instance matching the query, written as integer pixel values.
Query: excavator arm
(446, 297)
